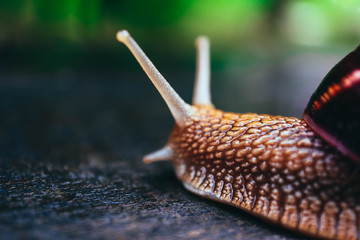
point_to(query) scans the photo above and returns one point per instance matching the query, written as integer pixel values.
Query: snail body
(277, 168)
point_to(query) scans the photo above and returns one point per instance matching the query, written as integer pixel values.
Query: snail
(301, 174)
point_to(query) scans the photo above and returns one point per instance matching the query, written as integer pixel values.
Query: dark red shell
(334, 109)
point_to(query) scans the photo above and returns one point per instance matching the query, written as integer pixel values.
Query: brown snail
(300, 174)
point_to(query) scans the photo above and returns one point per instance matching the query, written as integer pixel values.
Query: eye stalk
(202, 93)
(180, 110)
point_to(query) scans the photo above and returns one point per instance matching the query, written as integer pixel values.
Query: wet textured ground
(71, 150)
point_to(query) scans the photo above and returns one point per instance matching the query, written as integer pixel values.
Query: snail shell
(277, 168)
(334, 109)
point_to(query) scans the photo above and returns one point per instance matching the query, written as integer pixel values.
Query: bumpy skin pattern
(271, 166)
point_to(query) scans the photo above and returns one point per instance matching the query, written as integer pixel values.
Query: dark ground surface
(71, 150)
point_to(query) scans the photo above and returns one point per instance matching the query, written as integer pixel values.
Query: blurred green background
(43, 35)
(266, 56)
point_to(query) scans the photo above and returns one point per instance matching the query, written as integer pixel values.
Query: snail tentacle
(164, 154)
(202, 93)
(180, 110)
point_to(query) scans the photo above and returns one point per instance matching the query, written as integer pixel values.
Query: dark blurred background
(77, 113)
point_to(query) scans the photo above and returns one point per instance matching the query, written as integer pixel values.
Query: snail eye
(334, 108)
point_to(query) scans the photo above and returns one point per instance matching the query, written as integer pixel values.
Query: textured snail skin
(271, 166)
